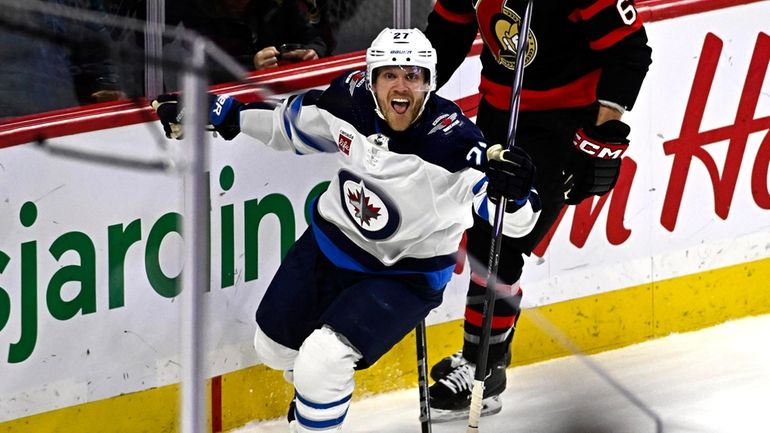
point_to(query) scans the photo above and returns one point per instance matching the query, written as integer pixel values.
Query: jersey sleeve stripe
(307, 143)
(458, 18)
(477, 187)
(615, 36)
(287, 123)
(589, 12)
(483, 208)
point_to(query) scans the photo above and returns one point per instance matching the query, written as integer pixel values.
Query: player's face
(400, 92)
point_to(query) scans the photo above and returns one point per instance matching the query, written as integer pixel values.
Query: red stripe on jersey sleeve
(613, 37)
(590, 11)
(574, 16)
(452, 16)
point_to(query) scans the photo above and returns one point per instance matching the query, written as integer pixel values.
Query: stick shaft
(422, 377)
(494, 251)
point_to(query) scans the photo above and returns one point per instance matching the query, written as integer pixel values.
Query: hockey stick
(422, 377)
(477, 394)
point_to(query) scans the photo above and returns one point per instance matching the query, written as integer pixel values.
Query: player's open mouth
(400, 105)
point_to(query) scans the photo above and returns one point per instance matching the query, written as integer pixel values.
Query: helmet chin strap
(422, 107)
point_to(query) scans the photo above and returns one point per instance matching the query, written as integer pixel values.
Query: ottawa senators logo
(501, 34)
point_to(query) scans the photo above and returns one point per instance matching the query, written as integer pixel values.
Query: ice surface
(716, 380)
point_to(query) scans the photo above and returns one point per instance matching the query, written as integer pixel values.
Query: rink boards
(90, 254)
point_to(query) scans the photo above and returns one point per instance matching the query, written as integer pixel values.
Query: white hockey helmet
(404, 47)
(400, 47)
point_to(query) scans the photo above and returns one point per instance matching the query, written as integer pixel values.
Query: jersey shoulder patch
(355, 80)
(347, 98)
(444, 116)
(451, 139)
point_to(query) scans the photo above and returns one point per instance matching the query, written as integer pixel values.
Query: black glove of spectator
(511, 174)
(594, 165)
(224, 115)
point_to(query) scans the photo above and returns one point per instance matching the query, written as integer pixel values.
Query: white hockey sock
(323, 380)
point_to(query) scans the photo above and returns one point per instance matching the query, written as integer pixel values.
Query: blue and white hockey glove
(594, 164)
(224, 115)
(510, 174)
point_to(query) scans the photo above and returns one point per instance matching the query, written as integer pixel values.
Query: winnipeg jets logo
(444, 123)
(364, 211)
(369, 208)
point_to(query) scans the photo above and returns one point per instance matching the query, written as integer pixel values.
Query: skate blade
(489, 406)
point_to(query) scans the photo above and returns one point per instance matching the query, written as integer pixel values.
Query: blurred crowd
(50, 61)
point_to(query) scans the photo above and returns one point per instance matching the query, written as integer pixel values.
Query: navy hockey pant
(373, 311)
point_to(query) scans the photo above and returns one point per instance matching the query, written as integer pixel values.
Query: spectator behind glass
(254, 31)
(129, 44)
(49, 63)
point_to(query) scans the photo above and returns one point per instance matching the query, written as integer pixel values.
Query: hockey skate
(446, 365)
(450, 396)
(449, 363)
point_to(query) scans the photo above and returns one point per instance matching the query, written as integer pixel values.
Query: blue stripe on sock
(315, 405)
(320, 425)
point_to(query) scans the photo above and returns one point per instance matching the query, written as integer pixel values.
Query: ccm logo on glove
(593, 167)
(597, 148)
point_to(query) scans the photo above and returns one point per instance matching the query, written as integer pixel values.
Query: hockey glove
(224, 116)
(510, 174)
(594, 164)
(168, 109)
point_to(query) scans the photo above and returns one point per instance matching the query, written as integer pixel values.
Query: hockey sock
(505, 314)
(323, 381)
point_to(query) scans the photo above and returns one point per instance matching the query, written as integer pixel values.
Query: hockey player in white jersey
(383, 238)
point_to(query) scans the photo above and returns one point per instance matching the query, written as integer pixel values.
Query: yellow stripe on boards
(712, 297)
(151, 411)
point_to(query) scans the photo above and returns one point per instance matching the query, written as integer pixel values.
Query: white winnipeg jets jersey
(400, 201)
(396, 205)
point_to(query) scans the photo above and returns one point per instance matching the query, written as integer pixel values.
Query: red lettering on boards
(691, 141)
(688, 146)
(587, 212)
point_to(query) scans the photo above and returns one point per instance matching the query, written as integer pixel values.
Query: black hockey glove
(594, 164)
(168, 109)
(511, 174)
(224, 115)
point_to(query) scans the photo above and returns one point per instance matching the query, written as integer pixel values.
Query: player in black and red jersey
(585, 63)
